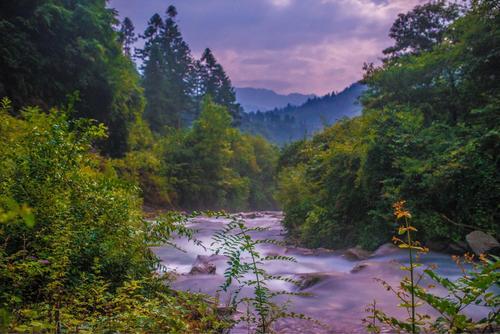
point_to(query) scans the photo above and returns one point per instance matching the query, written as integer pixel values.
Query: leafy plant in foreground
(477, 286)
(245, 268)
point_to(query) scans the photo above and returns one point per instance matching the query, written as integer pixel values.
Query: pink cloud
(308, 46)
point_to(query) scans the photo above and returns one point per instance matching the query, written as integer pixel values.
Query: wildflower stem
(257, 280)
(408, 234)
(259, 297)
(374, 314)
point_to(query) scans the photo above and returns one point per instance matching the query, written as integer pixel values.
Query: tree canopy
(427, 134)
(53, 48)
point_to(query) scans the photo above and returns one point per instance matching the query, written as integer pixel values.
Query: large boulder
(481, 242)
(203, 266)
(356, 254)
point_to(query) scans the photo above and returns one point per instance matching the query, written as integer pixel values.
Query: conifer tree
(154, 82)
(127, 36)
(179, 69)
(217, 84)
(168, 69)
(155, 85)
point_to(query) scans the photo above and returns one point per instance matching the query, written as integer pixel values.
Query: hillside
(291, 123)
(255, 99)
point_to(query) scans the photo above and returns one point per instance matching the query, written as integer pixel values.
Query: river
(338, 300)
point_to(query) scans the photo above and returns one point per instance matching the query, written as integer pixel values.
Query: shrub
(74, 248)
(477, 286)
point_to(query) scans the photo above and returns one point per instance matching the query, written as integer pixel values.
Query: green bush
(214, 166)
(74, 248)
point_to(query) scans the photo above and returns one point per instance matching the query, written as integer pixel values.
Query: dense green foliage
(420, 29)
(213, 165)
(75, 256)
(429, 133)
(105, 140)
(59, 52)
(54, 48)
(210, 165)
(75, 250)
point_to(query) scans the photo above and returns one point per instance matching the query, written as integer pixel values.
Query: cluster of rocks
(478, 242)
(260, 214)
(308, 251)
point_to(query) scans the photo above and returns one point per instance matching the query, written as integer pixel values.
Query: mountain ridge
(291, 123)
(263, 99)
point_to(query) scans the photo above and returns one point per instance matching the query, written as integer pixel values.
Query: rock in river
(356, 253)
(385, 250)
(308, 280)
(203, 266)
(481, 242)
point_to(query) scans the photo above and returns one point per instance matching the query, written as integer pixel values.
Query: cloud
(281, 3)
(309, 46)
(321, 68)
(278, 84)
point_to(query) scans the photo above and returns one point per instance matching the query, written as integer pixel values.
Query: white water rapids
(338, 300)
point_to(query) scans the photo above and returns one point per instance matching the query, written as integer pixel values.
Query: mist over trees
(291, 123)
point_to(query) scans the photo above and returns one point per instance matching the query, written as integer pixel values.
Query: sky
(304, 46)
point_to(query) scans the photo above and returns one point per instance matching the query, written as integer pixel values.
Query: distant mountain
(254, 99)
(297, 122)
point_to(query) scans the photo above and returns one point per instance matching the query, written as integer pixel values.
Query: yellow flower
(400, 211)
(483, 258)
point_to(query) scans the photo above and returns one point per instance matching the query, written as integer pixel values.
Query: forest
(293, 123)
(429, 133)
(109, 150)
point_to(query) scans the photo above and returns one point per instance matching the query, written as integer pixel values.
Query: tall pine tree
(168, 69)
(216, 84)
(127, 36)
(179, 69)
(154, 81)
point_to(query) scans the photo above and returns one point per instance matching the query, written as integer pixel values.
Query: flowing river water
(342, 287)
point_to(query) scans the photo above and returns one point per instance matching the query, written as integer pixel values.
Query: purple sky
(306, 46)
